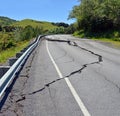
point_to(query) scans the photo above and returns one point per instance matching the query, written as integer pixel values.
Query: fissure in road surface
(74, 72)
(100, 59)
(22, 96)
(72, 43)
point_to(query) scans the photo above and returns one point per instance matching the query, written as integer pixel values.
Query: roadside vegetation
(97, 19)
(15, 35)
(10, 52)
(12, 42)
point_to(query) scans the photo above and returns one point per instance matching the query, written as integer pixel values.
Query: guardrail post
(3, 70)
(19, 54)
(23, 50)
(12, 61)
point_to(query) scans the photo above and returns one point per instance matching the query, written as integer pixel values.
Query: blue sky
(43, 10)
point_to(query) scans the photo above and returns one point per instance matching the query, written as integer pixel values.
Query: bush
(116, 34)
(29, 32)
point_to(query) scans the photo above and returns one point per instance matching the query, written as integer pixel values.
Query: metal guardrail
(11, 73)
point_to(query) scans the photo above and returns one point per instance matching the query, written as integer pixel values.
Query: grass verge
(109, 42)
(109, 38)
(4, 55)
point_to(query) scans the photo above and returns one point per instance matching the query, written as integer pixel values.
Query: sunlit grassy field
(109, 38)
(5, 55)
(113, 43)
(33, 23)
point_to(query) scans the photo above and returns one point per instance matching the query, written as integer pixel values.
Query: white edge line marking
(73, 91)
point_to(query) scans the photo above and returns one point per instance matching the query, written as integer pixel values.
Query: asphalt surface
(66, 76)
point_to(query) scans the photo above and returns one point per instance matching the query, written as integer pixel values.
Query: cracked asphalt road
(92, 68)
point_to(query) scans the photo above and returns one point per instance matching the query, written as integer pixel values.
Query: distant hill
(45, 25)
(5, 21)
(9, 24)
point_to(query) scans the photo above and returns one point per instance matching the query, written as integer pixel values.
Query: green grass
(4, 55)
(34, 23)
(110, 42)
(23, 23)
(5, 21)
(80, 34)
(111, 38)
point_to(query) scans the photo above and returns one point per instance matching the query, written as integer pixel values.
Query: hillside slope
(34, 23)
(5, 21)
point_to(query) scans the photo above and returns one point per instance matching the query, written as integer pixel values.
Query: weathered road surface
(65, 76)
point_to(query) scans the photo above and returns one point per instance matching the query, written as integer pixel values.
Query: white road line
(73, 91)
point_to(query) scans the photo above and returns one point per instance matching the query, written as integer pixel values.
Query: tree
(0, 28)
(9, 28)
(61, 24)
(71, 29)
(97, 15)
(28, 32)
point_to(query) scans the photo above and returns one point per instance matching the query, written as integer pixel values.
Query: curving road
(66, 76)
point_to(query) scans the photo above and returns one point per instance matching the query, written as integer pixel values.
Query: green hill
(34, 23)
(5, 21)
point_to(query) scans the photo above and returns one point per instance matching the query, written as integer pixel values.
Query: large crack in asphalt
(47, 85)
(100, 59)
(72, 43)
(74, 72)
